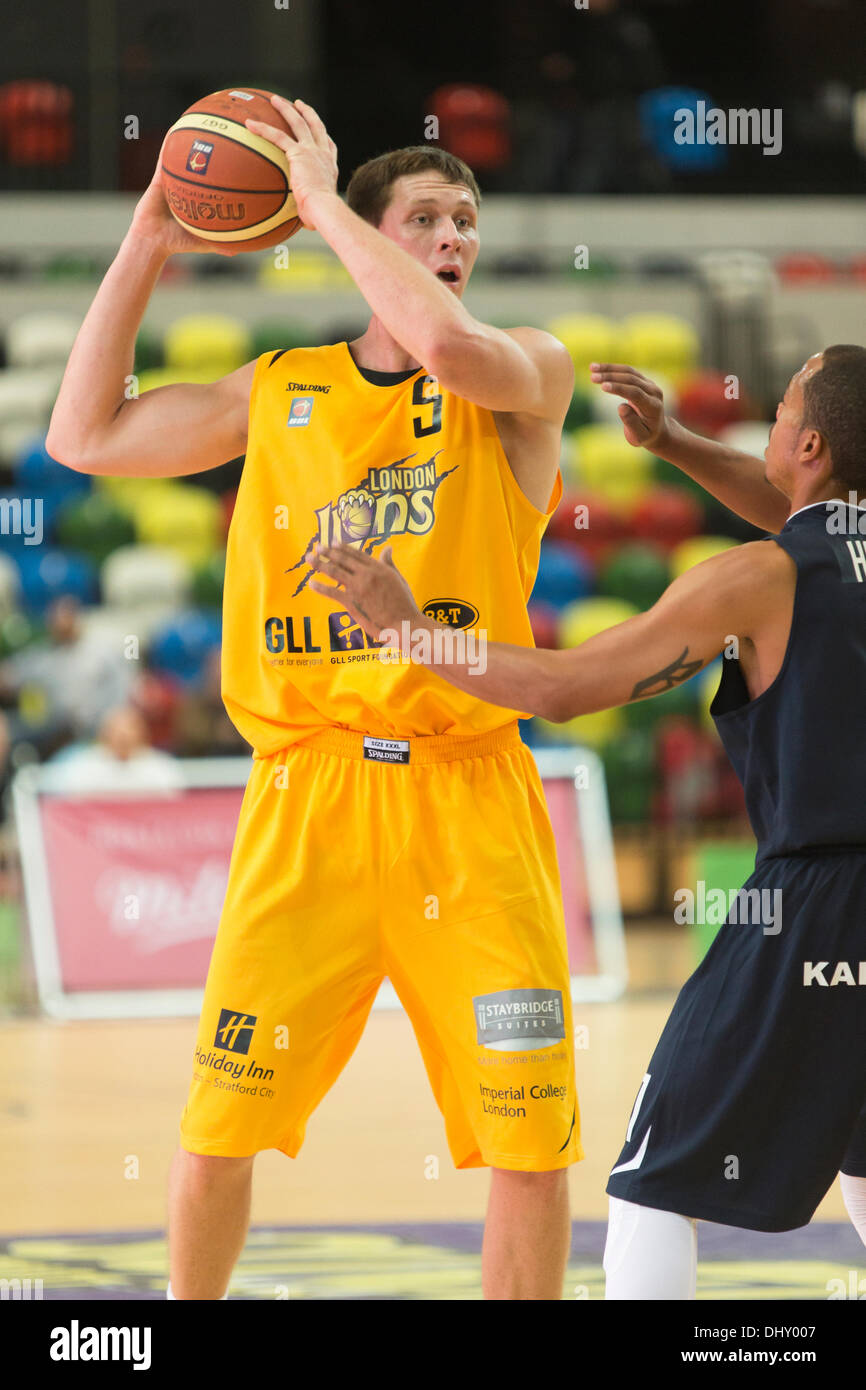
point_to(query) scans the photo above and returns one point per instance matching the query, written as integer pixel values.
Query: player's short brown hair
(834, 403)
(369, 190)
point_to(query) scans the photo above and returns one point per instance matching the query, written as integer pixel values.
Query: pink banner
(137, 885)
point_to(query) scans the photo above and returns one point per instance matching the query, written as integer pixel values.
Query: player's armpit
(515, 369)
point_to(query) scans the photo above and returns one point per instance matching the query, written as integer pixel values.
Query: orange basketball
(222, 182)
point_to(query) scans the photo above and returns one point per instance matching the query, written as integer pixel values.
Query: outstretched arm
(735, 478)
(692, 622)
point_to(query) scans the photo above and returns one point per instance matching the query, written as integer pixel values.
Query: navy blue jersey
(799, 748)
(763, 1059)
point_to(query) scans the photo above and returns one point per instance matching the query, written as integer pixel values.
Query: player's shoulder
(539, 343)
(553, 362)
(237, 384)
(272, 364)
(763, 557)
(754, 567)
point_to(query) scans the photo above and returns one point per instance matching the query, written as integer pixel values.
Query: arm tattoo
(673, 674)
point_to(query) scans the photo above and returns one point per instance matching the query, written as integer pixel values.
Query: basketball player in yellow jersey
(392, 826)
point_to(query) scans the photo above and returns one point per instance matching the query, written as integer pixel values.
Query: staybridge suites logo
(519, 1020)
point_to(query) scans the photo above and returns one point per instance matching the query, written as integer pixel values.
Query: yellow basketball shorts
(430, 861)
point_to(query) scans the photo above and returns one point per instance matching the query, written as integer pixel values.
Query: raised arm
(521, 370)
(735, 478)
(169, 430)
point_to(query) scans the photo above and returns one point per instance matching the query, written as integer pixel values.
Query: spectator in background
(203, 729)
(121, 759)
(57, 690)
(61, 688)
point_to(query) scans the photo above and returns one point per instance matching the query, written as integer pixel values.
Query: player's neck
(807, 497)
(377, 351)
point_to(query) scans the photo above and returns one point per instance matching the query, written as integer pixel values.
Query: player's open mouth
(451, 277)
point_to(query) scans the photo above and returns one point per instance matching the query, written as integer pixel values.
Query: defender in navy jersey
(755, 1096)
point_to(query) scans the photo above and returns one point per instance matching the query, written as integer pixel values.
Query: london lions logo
(388, 502)
(356, 511)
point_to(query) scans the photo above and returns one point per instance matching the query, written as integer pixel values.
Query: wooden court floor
(90, 1113)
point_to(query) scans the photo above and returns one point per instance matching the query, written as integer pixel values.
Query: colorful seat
(94, 525)
(589, 338)
(637, 572)
(663, 128)
(46, 574)
(590, 522)
(137, 576)
(667, 516)
(180, 517)
(604, 462)
(27, 396)
(563, 575)
(693, 552)
(474, 123)
(587, 730)
(215, 342)
(629, 772)
(706, 403)
(587, 617)
(544, 620)
(304, 272)
(271, 335)
(208, 580)
(659, 343)
(182, 646)
(40, 339)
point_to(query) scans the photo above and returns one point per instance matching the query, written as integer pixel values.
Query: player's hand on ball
(371, 591)
(311, 152)
(152, 221)
(642, 413)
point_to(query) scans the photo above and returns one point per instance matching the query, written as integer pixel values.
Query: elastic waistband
(432, 748)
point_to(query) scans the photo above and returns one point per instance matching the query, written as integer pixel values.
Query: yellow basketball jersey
(333, 456)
